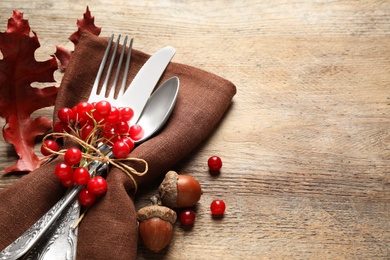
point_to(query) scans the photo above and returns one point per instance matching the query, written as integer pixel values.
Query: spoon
(52, 235)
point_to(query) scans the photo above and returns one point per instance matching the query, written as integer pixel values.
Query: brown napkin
(109, 229)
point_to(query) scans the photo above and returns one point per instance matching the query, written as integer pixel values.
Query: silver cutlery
(60, 233)
(145, 81)
(30, 238)
(61, 242)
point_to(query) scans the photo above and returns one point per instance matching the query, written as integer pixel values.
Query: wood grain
(305, 143)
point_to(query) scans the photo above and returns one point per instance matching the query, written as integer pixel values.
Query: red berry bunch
(100, 121)
(69, 172)
(94, 123)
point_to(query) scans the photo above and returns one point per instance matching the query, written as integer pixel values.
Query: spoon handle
(38, 230)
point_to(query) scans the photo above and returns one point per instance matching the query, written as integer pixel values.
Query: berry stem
(80, 219)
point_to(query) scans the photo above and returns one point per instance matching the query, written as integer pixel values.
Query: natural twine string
(101, 157)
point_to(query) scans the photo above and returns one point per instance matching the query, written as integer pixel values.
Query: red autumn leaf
(18, 99)
(87, 24)
(63, 55)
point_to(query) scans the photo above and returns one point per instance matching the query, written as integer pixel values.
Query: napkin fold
(109, 229)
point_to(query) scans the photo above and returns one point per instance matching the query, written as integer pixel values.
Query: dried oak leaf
(87, 24)
(18, 99)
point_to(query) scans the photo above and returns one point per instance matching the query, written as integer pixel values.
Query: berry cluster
(69, 172)
(94, 124)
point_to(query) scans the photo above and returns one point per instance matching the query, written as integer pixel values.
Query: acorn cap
(168, 189)
(153, 211)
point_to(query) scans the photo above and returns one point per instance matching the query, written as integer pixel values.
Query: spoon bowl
(158, 108)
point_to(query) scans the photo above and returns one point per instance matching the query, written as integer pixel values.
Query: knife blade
(138, 93)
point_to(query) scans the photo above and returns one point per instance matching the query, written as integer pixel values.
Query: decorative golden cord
(101, 157)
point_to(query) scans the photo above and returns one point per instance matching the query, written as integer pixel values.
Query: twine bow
(94, 154)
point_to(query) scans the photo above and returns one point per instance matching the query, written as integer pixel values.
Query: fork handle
(60, 232)
(29, 238)
(38, 230)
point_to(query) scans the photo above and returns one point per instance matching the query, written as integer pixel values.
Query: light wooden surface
(305, 144)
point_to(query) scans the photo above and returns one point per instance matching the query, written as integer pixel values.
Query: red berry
(86, 198)
(122, 127)
(65, 114)
(129, 142)
(59, 127)
(67, 182)
(217, 207)
(98, 117)
(84, 120)
(126, 113)
(63, 171)
(108, 128)
(187, 217)
(83, 112)
(83, 108)
(113, 117)
(136, 132)
(120, 149)
(86, 131)
(214, 163)
(110, 134)
(81, 176)
(116, 138)
(72, 156)
(109, 137)
(97, 185)
(52, 145)
(75, 113)
(103, 107)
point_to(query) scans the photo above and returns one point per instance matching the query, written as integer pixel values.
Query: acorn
(156, 226)
(179, 190)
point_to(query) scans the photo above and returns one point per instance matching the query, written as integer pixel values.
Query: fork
(64, 235)
(95, 95)
(38, 231)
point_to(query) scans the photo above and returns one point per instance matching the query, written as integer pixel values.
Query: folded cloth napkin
(109, 229)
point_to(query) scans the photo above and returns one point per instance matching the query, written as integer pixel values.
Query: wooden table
(305, 143)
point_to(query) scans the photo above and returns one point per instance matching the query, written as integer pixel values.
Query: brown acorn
(156, 226)
(179, 190)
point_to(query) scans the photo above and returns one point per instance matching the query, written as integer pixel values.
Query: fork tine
(113, 87)
(105, 90)
(105, 84)
(101, 68)
(123, 86)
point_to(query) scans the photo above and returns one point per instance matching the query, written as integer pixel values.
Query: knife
(145, 81)
(62, 238)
